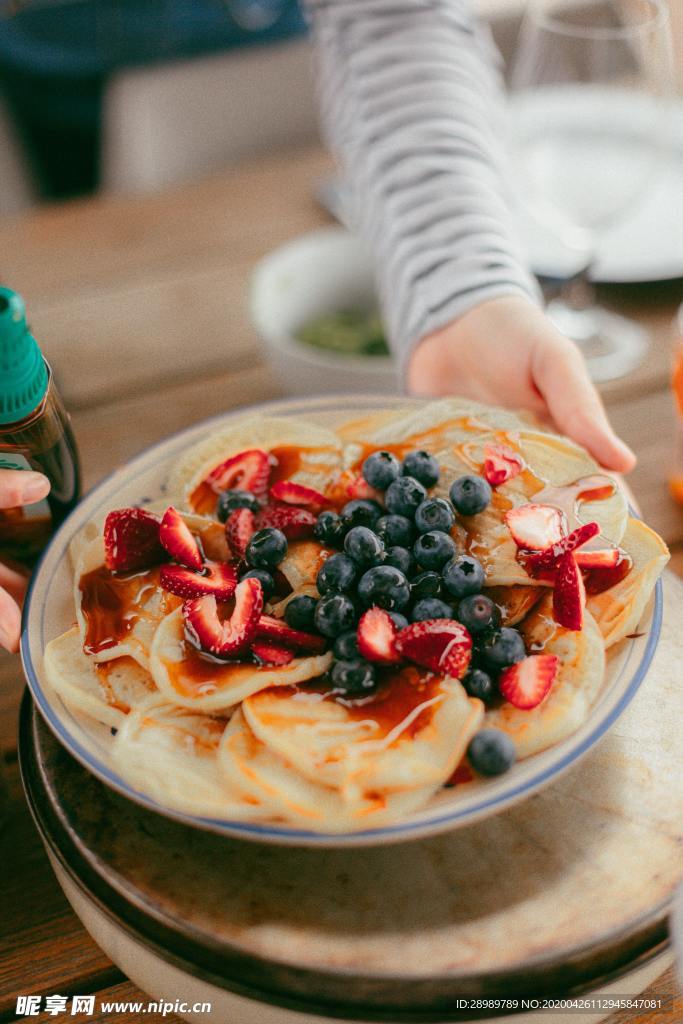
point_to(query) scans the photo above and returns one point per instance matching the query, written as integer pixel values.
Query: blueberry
(337, 574)
(300, 612)
(400, 558)
(433, 549)
(426, 584)
(330, 529)
(478, 613)
(434, 514)
(360, 512)
(463, 575)
(381, 469)
(364, 546)
(491, 752)
(228, 501)
(479, 684)
(353, 676)
(385, 586)
(400, 621)
(335, 614)
(395, 530)
(470, 494)
(431, 608)
(265, 579)
(422, 466)
(266, 548)
(346, 646)
(503, 647)
(404, 495)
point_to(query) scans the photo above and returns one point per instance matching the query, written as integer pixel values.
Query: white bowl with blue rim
(49, 611)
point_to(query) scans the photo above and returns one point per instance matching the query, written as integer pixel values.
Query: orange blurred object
(676, 478)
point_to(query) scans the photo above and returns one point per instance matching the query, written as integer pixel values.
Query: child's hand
(17, 487)
(506, 352)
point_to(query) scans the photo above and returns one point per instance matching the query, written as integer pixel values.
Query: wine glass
(589, 96)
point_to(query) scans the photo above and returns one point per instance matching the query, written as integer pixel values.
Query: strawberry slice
(542, 564)
(358, 487)
(535, 526)
(569, 595)
(501, 463)
(131, 540)
(297, 494)
(270, 628)
(218, 578)
(176, 537)
(234, 635)
(248, 471)
(295, 523)
(240, 527)
(271, 654)
(441, 645)
(526, 683)
(377, 636)
(605, 558)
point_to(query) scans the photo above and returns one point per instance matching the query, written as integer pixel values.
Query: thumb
(560, 374)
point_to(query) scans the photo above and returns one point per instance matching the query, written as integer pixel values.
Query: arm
(17, 487)
(412, 108)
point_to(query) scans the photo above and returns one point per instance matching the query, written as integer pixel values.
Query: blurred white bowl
(326, 271)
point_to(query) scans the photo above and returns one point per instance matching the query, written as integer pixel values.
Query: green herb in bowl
(348, 333)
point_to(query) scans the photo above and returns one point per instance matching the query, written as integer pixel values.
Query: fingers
(10, 622)
(560, 374)
(21, 487)
(14, 582)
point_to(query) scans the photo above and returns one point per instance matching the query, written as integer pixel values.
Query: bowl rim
(399, 832)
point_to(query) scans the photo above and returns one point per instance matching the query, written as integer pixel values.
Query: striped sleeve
(412, 108)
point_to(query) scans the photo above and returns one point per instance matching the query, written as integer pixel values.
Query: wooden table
(141, 306)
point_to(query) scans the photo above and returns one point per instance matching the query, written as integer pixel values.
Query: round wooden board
(551, 896)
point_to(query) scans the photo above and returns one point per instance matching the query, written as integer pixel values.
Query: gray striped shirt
(412, 108)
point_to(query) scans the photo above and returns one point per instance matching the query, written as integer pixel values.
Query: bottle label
(37, 510)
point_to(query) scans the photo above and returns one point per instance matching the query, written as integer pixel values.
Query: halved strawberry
(358, 487)
(235, 634)
(526, 683)
(175, 535)
(441, 645)
(218, 578)
(295, 523)
(297, 494)
(542, 564)
(240, 527)
(277, 629)
(271, 654)
(569, 594)
(535, 526)
(605, 558)
(501, 463)
(131, 540)
(248, 471)
(377, 636)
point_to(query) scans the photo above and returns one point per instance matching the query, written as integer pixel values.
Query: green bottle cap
(23, 373)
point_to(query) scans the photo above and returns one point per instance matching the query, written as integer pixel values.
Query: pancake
(254, 772)
(185, 677)
(171, 755)
(319, 459)
(515, 603)
(575, 690)
(107, 692)
(618, 610)
(117, 614)
(302, 563)
(410, 735)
